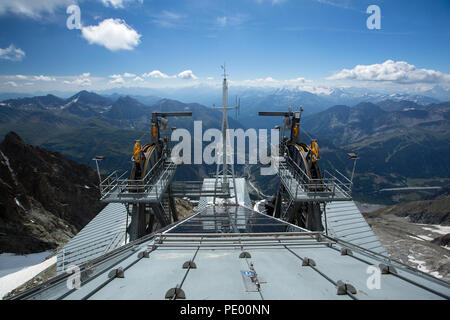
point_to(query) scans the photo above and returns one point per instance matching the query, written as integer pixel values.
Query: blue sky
(163, 43)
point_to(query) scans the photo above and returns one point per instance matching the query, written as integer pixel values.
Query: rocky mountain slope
(417, 233)
(45, 198)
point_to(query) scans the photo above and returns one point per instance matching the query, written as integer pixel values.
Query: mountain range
(87, 124)
(399, 142)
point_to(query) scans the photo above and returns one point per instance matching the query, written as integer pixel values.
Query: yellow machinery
(303, 163)
(149, 162)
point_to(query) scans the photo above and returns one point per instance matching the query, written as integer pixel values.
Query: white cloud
(157, 74)
(222, 21)
(82, 80)
(117, 79)
(12, 53)
(231, 21)
(168, 19)
(129, 75)
(44, 78)
(274, 2)
(138, 79)
(187, 74)
(21, 77)
(343, 4)
(32, 8)
(400, 72)
(118, 3)
(12, 83)
(271, 82)
(114, 34)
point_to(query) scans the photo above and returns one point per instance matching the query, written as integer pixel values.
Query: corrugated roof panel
(104, 233)
(346, 222)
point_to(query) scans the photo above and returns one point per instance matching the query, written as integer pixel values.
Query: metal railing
(197, 189)
(300, 185)
(152, 186)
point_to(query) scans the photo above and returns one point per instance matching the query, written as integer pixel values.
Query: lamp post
(354, 157)
(97, 159)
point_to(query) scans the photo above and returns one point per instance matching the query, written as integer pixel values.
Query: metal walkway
(303, 189)
(148, 190)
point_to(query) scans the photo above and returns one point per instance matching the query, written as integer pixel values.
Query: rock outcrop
(45, 198)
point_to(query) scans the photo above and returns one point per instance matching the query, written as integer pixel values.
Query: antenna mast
(225, 139)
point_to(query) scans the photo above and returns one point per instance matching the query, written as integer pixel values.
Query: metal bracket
(308, 262)
(176, 293)
(116, 273)
(385, 269)
(345, 288)
(245, 254)
(143, 254)
(86, 273)
(346, 252)
(189, 265)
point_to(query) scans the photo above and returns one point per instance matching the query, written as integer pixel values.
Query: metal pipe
(237, 239)
(233, 245)
(223, 235)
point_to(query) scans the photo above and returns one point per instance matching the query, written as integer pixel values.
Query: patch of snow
(421, 237)
(438, 229)
(421, 266)
(16, 270)
(69, 103)
(19, 204)
(6, 161)
(426, 238)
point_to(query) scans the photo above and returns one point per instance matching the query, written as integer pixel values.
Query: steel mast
(225, 138)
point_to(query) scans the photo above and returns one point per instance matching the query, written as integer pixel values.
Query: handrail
(343, 176)
(138, 186)
(329, 184)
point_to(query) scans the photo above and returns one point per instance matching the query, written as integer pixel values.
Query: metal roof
(296, 264)
(346, 222)
(231, 252)
(102, 234)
